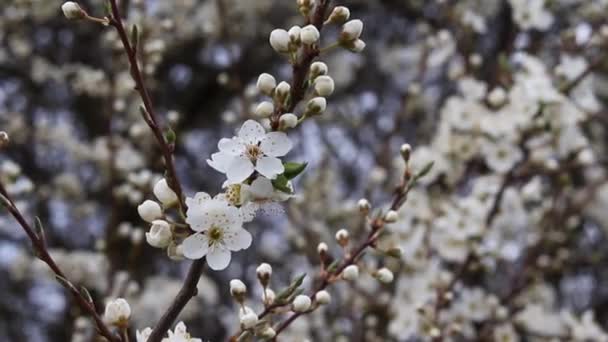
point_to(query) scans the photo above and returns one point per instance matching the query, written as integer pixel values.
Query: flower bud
(356, 46)
(264, 271)
(264, 109)
(269, 296)
(175, 252)
(364, 205)
(266, 84)
(316, 106)
(301, 303)
(324, 86)
(149, 211)
(268, 333)
(391, 216)
(406, 152)
(288, 120)
(294, 34)
(117, 312)
(497, 97)
(317, 69)
(279, 40)
(342, 237)
(238, 290)
(350, 273)
(322, 297)
(4, 139)
(164, 193)
(322, 248)
(384, 275)
(72, 10)
(309, 35)
(247, 317)
(339, 15)
(283, 89)
(160, 235)
(351, 30)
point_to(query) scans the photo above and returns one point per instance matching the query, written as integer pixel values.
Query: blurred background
(82, 159)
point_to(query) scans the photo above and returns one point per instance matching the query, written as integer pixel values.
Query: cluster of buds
(161, 233)
(248, 319)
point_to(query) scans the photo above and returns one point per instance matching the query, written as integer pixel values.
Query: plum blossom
(180, 334)
(219, 231)
(251, 150)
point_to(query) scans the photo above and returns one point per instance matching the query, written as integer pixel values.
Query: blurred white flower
(117, 312)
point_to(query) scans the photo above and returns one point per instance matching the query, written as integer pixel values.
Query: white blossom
(251, 150)
(180, 334)
(219, 231)
(384, 275)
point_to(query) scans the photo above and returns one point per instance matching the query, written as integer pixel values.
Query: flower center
(233, 194)
(215, 234)
(253, 152)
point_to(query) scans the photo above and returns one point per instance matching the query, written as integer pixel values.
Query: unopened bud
(364, 205)
(264, 109)
(288, 120)
(351, 30)
(309, 35)
(318, 69)
(264, 271)
(266, 84)
(282, 90)
(73, 11)
(339, 15)
(406, 152)
(324, 86)
(322, 297)
(279, 40)
(322, 248)
(342, 237)
(384, 275)
(391, 216)
(316, 106)
(247, 317)
(238, 290)
(350, 273)
(301, 303)
(4, 139)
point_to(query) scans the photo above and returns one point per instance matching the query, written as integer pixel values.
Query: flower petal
(195, 246)
(248, 211)
(220, 161)
(269, 167)
(231, 147)
(198, 199)
(237, 239)
(218, 258)
(261, 188)
(276, 144)
(251, 132)
(239, 169)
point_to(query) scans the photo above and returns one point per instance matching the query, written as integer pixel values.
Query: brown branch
(42, 253)
(150, 116)
(188, 289)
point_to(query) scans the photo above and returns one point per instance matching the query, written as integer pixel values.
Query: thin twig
(42, 253)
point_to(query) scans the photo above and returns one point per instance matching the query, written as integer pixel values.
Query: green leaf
(286, 293)
(280, 183)
(293, 169)
(333, 266)
(425, 170)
